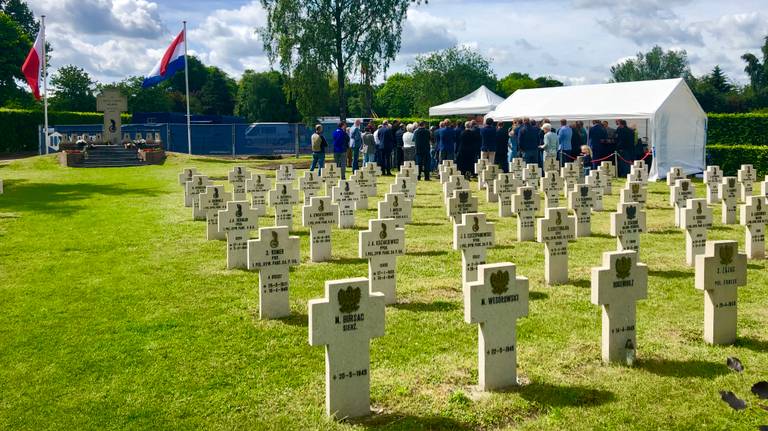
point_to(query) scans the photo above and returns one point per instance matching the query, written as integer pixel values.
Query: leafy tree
(73, 90)
(516, 81)
(153, 99)
(14, 45)
(446, 75)
(718, 80)
(20, 13)
(318, 37)
(260, 97)
(218, 93)
(654, 64)
(757, 71)
(396, 97)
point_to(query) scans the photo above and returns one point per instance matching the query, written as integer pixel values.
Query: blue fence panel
(94, 129)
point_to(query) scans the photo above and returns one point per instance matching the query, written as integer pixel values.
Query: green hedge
(731, 157)
(18, 127)
(738, 129)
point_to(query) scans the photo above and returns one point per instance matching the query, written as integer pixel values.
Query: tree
(396, 97)
(310, 36)
(152, 99)
(757, 71)
(19, 12)
(446, 75)
(73, 90)
(260, 97)
(218, 93)
(14, 45)
(718, 80)
(655, 64)
(516, 81)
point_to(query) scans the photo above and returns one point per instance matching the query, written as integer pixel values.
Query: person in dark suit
(528, 139)
(465, 150)
(501, 147)
(597, 138)
(387, 137)
(625, 145)
(399, 153)
(421, 138)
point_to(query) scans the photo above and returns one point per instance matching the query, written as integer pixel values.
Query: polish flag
(33, 65)
(172, 61)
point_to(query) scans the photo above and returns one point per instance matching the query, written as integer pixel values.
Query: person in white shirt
(409, 147)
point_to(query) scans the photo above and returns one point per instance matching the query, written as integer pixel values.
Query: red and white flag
(33, 65)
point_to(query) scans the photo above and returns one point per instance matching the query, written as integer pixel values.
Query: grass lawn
(115, 313)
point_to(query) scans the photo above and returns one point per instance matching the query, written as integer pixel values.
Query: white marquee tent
(480, 101)
(668, 116)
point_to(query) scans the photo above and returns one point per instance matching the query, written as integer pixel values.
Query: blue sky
(572, 40)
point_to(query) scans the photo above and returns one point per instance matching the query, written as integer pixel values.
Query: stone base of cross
(617, 286)
(719, 272)
(344, 322)
(496, 301)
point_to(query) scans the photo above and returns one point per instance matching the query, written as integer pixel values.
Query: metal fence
(258, 139)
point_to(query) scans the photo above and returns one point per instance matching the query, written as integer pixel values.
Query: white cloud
(424, 32)
(127, 18)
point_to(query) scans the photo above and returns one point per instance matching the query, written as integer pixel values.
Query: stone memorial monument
(112, 103)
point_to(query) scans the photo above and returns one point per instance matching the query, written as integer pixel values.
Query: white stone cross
(473, 236)
(570, 175)
(525, 204)
(285, 174)
(634, 192)
(488, 176)
(272, 255)
(495, 302)
(754, 218)
(237, 222)
(675, 173)
(551, 164)
(596, 181)
(186, 175)
(396, 207)
(713, 177)
(480, 165)
(344, 321)
(381, 244)
(213, 200)
(729, 199)
(551, 184)
(462, 202)
(719, 272)
(555, 230)
(330, 176)
(579, 162)
(456, 182)
(532, 175)
(696, 219)
(608, 171)
(319, 216)
(193, 189)
(409, 164)
(446, 173)
(747, 177)
(345, 195)
(580, 202)
(259, 186)
(237, 177)
(311, 184)
(627, 224)
(679, 195)
(372, 172)
(411, 173)
(617, 286)
(516, 167)
(282, 198)
(405, 186)
(764, 187)
(505, 186)
(638, 174)
(363, 181)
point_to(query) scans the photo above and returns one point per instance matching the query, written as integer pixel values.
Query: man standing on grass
(340, 145)
(356, 139)
(421, 140)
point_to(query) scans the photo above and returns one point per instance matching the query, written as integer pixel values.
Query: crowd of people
(389, 144)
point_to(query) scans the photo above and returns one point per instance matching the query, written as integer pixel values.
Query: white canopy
(480, 101)
(675, 124)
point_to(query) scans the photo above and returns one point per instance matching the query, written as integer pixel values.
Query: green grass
(115, 312)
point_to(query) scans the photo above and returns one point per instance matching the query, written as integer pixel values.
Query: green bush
(738, 129)
(731, 157)
(18, 127)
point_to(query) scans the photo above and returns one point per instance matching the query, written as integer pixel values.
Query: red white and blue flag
(172, 61)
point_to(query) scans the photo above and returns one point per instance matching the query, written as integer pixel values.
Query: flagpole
(186, 83)
(45, 85)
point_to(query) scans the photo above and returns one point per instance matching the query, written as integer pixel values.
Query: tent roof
(480, 101)
(638, 99)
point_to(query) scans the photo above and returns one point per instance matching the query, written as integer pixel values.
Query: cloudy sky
(572, 40)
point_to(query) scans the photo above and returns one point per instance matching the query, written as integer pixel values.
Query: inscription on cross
(551, 185)
(617, 286)
(237, 222)
(555, 230)
(344, 321)
(679, 195)
(462, 202)
(525, 204)
(237, 177)
(719, 272)
(506, 186)
(626, 225)
(713, 177)
(696, 220)
(285, 174)
(729, 199)
(282, 198)
(516, 167)
(634, 192)
(595, 181)
(456, 182)
(580, 202)
(396, 207)
(185, 176)
(488, 176)
(346, 195)
(272, 255)
(363, 182)
(194, 189)
(259, 186)
(213, 200)
(754, 218)
(532, 176)
(473, 236)
(381, 244)
(319, 216)
(330, 176)
(747, 177)
(675, 173)
(311, 184)
(495, 302)
(405, 186)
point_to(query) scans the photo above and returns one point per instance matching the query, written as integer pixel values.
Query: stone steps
(109, 156)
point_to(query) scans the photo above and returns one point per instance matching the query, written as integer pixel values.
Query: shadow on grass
(671, 274)
(435, 306)
(347, 260)
(754, 266)
(402, 421)
(429, 206)
(753, 344)
(550, 395)
(533, 295)
(601, 235)
(682, 369)
(425, 224)
(582, 283)
(668, 231)
(62, 198)
(428, 253)
(295, 319)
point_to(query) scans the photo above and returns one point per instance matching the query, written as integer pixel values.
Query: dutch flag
(172, 61)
